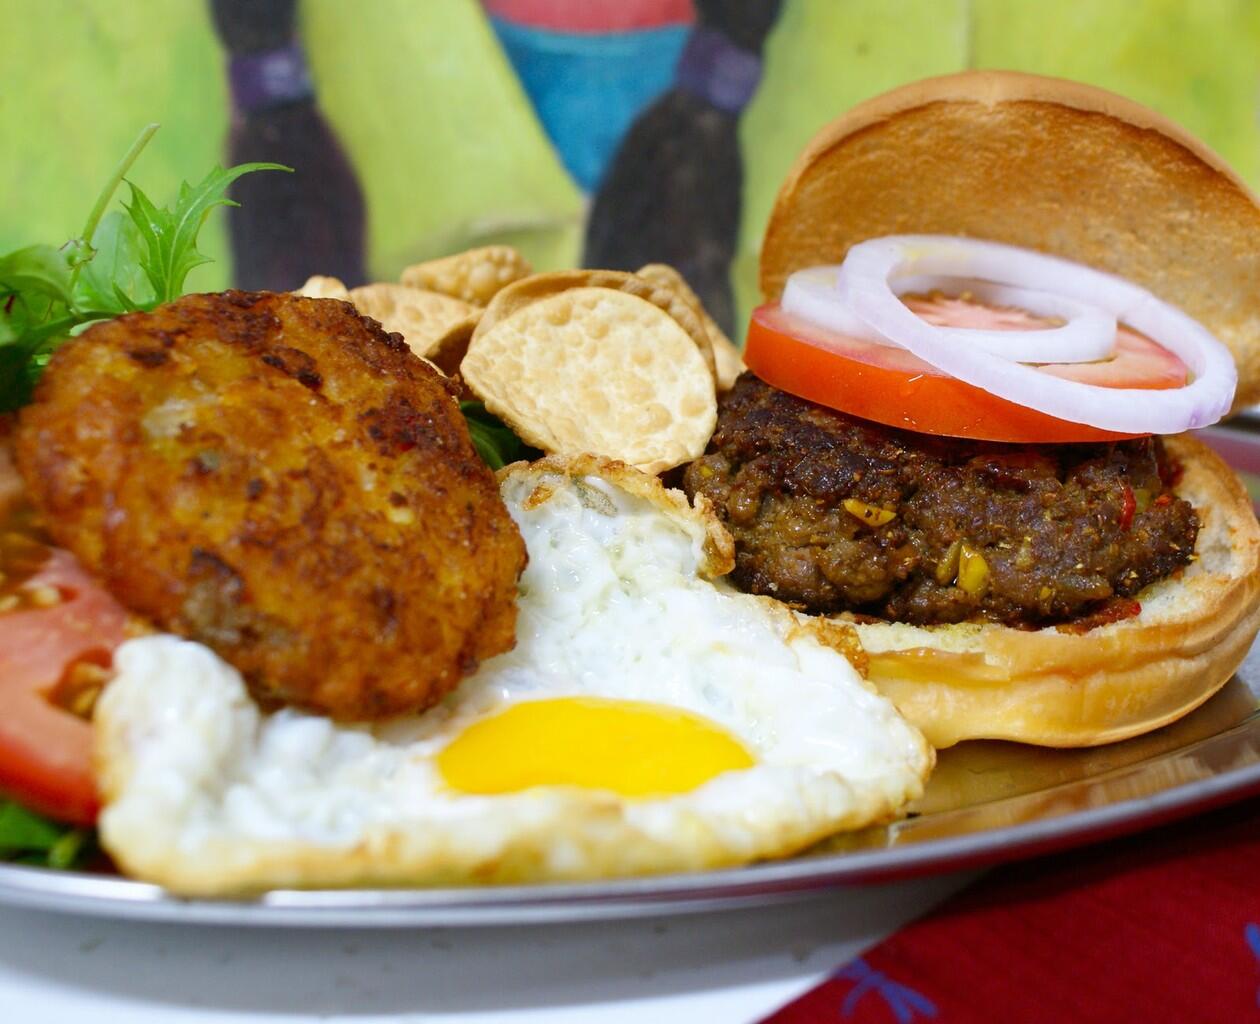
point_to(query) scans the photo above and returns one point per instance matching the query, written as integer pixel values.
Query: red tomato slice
(45, 750)
(892, 386)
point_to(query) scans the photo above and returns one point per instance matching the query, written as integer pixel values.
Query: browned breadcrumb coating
(278, 478)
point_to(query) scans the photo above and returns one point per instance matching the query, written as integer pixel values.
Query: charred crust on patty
(835, 514)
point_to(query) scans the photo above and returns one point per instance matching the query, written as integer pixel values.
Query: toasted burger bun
(1041, 163)
(1063, 689)
(1084, 174)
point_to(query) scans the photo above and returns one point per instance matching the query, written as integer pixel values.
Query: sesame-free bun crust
(1063, 689)
(1042, 163)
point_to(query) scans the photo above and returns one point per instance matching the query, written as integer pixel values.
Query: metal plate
(986, 802)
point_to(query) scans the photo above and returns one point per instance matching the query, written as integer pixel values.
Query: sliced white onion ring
(812, 294)
(864, 291)
(1087, 336)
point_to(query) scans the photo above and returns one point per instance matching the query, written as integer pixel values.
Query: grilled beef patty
(832, 513)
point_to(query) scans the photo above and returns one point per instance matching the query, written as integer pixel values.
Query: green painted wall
(448, 150)
(78, 80)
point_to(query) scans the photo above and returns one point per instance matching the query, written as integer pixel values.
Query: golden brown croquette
(278, 478)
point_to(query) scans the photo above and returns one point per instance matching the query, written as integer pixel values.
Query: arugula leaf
(113, 279)
(170, 235)
(29, 838)
(38, 272)
(495, 443)
(118, 265)
(35, 284)
(19, 370)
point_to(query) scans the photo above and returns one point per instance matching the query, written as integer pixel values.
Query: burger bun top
(1042, 163)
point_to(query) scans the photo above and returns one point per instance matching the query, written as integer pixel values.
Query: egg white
(205, 794)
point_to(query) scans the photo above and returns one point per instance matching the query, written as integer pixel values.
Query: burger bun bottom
(1057, 688)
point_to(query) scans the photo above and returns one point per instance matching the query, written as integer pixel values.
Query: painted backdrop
(603, 132)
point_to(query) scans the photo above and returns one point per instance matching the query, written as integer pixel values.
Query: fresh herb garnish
(28, 838)
(495, 443)
(124, 260)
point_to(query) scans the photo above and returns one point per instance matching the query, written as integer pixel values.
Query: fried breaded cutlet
(278, 478)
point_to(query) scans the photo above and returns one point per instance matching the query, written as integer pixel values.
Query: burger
(995, 303)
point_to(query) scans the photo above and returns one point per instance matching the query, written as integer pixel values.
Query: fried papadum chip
(473, 276)
(318, 286)
(600, 370)
(449, 350)
(431, 324)
(531, 289)
(726, 357)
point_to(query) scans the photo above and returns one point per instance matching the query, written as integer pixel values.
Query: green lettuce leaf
(29, 838)
(495, 443)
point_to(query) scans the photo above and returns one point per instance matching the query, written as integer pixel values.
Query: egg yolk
(630, 747)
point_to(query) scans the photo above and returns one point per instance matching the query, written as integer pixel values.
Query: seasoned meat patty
(832, 513)
(280, 479)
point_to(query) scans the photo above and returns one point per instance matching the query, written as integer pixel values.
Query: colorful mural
(608, 132)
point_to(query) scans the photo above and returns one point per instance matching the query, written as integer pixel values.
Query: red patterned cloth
(1162, 926)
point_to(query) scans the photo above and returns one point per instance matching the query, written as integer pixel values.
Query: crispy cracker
(596, 370)
(540, 286)
(473, 276)
(449, 350)
(430, 323)
(318, 286)
(725, 355)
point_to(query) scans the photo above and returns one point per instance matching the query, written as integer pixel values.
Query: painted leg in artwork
(672, 194)
(295, 225)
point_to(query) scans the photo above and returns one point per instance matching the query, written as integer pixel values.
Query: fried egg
(649, 719)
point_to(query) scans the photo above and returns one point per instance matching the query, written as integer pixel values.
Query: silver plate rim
(94, 895)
